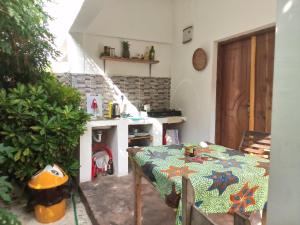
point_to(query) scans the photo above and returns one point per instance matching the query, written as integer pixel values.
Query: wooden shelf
(140, 138)
(128, 60)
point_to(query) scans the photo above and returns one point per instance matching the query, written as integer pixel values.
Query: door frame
(219, 82)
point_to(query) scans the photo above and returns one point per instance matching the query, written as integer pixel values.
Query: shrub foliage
(5, 189)
(25, 42)
(42, 123)
(41, 119)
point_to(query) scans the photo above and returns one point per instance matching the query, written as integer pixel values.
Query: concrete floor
(110, 201)
(28, 218)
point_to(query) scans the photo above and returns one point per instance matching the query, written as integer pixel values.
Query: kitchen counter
(118, 141)
(142, 120)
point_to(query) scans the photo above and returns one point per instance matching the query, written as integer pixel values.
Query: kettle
(115, 110)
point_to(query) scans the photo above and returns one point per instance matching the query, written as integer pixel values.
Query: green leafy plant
(5, 189)
(125, 49)
(41, 119)
(42, 124)
(25, 42)
(8, 218)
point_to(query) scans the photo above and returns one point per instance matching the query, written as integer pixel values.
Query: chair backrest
(257, 143)
(191, 215)
(199, 218)
(241, 219)
(254, 218)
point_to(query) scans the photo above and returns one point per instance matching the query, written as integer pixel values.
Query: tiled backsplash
(138, 90)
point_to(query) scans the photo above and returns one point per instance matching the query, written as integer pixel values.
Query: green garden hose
(74, 208)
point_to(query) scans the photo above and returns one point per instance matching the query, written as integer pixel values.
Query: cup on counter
(189, 151)
(112, 52)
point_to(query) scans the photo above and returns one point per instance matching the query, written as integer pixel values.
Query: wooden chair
(257, 143)
(193, 216)
(254, 218)
(199, 218)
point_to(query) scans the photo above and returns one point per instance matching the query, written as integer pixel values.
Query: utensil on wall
(97, 136)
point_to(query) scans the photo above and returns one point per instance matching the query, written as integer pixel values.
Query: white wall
(213, 20)
(60, 26)
(135, 19)
(108, 22)
(94, 44)
(284, 187)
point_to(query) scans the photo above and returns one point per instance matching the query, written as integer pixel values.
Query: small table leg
(188, 200)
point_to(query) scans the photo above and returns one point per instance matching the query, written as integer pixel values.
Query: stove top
(164, 113)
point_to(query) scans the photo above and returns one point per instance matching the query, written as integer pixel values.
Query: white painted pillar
(120, 149)
(157, 132)
(284, 186)
(85, 155)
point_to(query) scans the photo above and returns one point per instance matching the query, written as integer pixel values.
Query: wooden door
(244, 87)
(265, 45)
(234, 93)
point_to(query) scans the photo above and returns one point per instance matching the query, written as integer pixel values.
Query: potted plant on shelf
(125, 49)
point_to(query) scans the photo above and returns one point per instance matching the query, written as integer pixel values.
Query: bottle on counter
(152, 54)
(146, 53)
(123, 107)
(109, 110)
(110, 167)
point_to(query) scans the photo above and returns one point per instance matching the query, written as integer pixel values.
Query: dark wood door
(234, 93)
(264, 69)
(241, 61)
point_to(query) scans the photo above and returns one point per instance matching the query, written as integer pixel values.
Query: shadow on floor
(111, 202)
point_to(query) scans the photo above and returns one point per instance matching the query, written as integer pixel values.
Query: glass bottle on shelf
(152, 54)
(146, 53)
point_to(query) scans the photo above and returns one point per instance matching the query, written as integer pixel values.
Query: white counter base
(119, 142)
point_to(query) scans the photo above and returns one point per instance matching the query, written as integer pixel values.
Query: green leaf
(5, 188)
(17, 155)
(35, 128)
(42, 131)
(26, 152)
(8, 218)
(6, 152)
(2, 159)
(15, 101)
(5, 197)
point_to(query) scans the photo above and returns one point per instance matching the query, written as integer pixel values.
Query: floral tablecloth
(224, 180)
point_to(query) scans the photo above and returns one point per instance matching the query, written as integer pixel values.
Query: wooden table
(244, 177)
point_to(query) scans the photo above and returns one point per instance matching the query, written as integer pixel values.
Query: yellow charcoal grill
(48, 191)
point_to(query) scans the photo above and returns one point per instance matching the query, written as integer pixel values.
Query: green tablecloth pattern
(224, 180)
